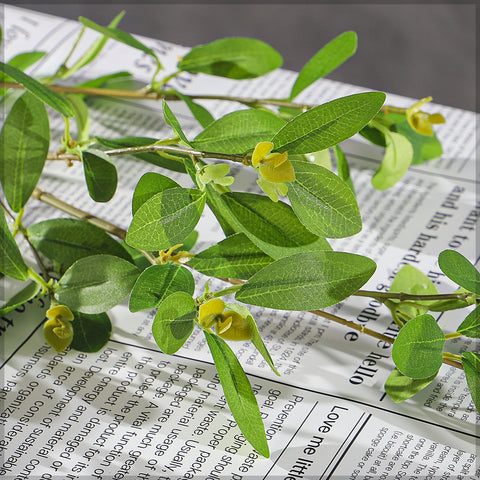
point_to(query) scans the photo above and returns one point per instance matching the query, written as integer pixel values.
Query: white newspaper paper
(130, 411)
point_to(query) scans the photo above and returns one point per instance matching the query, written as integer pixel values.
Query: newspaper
(130, 411)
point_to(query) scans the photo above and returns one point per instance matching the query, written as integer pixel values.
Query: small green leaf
(326, 60)
(328, 124)
(149, 185)
(174, 321)
(239, 394)
(22, 62)
(470, 327)
(100, 175)
(166, 219)
(417, 350)
(172, 121)
(400, 388)
(458, 269)
(23, 296)
(157, 282)
(189, 242)
(82, 117)
(96, 283)
(323, 202)
(307, 281)
(202, 115)
(24, 143)
(235, 57)
(343, 169)
(471, 365)
(91, 332)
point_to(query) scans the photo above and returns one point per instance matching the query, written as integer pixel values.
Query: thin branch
(382, 296)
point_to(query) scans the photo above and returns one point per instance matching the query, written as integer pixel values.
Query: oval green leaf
(23, 296)
(400, 388)
(100, 175)
(471, 365)
(458, 269)
(11, 260)
(149, 185)
(91, 332)
(470, 327)
(172, 121)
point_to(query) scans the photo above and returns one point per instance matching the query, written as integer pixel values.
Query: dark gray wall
(409, 49)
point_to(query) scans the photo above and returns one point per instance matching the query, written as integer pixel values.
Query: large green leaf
(470, 327)
(100, 175)
(96, 283)
(307, 281)
(323, 202)
(328, 124)
(417, 350)
(458, 269)
(400, 388)
(235, 57)
(23, 296)
(238, 393)
(471, 365)
(24, 143)
(327, 59)
(166, 219)
(91, 331)
(149, 185)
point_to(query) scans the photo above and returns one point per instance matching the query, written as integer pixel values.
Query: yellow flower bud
(238, 327)
(420, 121)
(58, 330)
(210, 311)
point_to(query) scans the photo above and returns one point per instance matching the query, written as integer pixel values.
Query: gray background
(410, 49)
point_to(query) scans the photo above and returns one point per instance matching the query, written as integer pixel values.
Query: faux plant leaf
(234, 257)
(307, 281)
(171, 120)
(96, 283)
(24, 143)
(22, 62)
(471, 365)
(82, 117)
(238, 131)
(174, 321)
(108, 81)
(149, 185)
(271, 226)
(23, 296)
(417, 350)
(400, 388)
(458, 269)
(235, 57)
(202, 115)
(470, 327)
(66, 240)
(332, 55)
(190, 241)
(157, 282)
(100, 175)
(166, 219)
(343, 169)
(238, 393)
(323, 202)
(328, 124)
(91, 332)
(42, 92)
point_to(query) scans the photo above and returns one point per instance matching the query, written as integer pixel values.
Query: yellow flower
(210, 312)
(58, 330)
(420, 121)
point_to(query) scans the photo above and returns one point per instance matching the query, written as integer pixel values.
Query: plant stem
(38, 279)
(449, 336)
(382, 296)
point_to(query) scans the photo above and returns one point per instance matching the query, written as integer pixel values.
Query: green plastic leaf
(96, 283)
(174, 321)
(66, 240)
(238, 131)
(201, 114)
(157, 282)
(417, 350)
(109, 81)
(23, 296)
(22, 62)
(43, 93)
(326, 60)
(149, 185)
(400, 388)
(235, 57)
(238, 393)
(24, 143)
(458, 269)
(166, 219)
(172, 121)
(323, 202)
(470, 327)
(82, 117)
(343, 169)
(307, 281)
(328, 124)
(471, 365)
(190, 241)
(91, 332)
(100, 175)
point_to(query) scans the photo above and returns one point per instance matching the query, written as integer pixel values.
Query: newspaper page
(130, 411)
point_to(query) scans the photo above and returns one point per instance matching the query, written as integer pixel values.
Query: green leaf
(156, 283)
(149, 185)
(271, 226)
(400, 388)
(96, 283)
(323, 202)
(328, 124)
(174, 123)
(108, 81)
(22, 62)
(307, 281)
(66, 240)
(470, 327)
(91, 332)
(235, 57)
(174, 321)
(238, 393)
(100, 175)
(234, 257)
(458, 269)
(82, 117)
(202, 115)
(343, 169)
(417, 350)
(43, 93)
(166, 219)
(238, 131)
(327, 59)
(24, 143)
(471, 365)
(23, 296)
(396, 160)
(190, 241)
